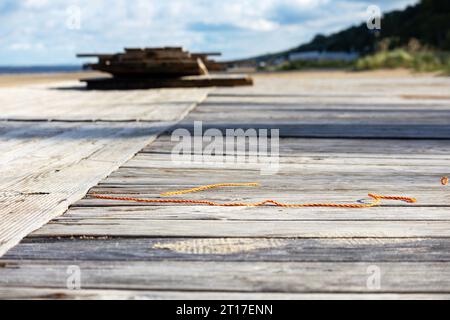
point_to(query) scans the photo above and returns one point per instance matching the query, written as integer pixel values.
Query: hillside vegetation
(428, 22)
(417, 38)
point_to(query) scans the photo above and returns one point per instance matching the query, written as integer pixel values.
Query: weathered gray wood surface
(233, 249)
(47, 166)
(277, 229)
(111, 294)
(334, 147)
(290, 277)
(146, 213)
(70, 102)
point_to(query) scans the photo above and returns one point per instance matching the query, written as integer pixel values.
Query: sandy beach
(11, 80)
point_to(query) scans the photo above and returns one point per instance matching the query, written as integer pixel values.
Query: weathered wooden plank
(426, 201)
(235, 249)
(355, 129)
(306, 161)
(65, 149)
(303, 115)
(369, 84)
(295, 164)
(200, 81)
(372, 180)
(292, 277)
(47, 166)
(230, 228)
(168, 212)
(337, 148)
(92, 294)
(67, 101)
(327, 98)
(287, 104)
(34, 194)
(285, 169)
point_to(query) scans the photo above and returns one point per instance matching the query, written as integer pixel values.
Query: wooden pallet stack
(210, 64)
(138, 68)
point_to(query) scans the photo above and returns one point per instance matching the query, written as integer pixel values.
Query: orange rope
(376, 199)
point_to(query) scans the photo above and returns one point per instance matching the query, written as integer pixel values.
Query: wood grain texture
(145, 213)
(214, 228)
(338, 148)
(366, 129)
(289, 277)
(111, 294)
(69, 101)
(46, 166)
(233, 249)
(341, 138)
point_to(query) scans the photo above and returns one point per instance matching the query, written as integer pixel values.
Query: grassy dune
(422, 61)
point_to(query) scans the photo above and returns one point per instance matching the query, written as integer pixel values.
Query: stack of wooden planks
(209, 63)
(158, 67)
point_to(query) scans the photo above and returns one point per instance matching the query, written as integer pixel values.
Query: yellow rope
(376, 199)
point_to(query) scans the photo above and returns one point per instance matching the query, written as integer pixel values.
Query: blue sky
(46, 32)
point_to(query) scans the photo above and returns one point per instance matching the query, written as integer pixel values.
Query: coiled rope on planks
(376, 199)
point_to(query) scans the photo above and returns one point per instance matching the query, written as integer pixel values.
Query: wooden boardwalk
(341, 137)
(57, 141)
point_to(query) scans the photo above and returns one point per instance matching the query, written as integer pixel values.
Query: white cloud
(25, 46)
(35, 3)
(38, 28)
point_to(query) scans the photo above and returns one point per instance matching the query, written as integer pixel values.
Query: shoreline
(18, 79)
(13, 80)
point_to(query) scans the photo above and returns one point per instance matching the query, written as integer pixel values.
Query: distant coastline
(39, 69)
